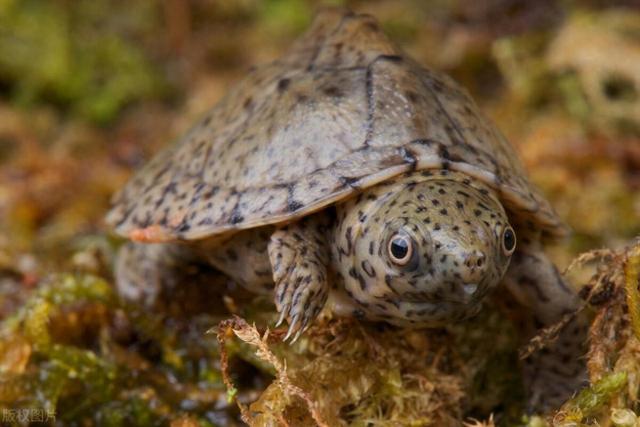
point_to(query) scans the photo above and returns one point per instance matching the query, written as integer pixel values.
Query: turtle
(344, 174)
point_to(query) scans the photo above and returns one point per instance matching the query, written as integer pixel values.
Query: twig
(250, 335)
(221, 335)
(547, 335)
(631, 275)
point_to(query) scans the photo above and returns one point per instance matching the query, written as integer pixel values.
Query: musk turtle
(345, 171)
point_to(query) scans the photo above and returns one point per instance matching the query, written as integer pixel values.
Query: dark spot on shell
(235, 218)
(332, 91)
(283, 84)
(390, 58)
(409, 157)
(348, 181)
(294, 205)
(184, 227)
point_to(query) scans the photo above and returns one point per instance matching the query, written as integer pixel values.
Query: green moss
(91, 375)
(94, 75)
(593, 400)
(285, 18)
(64, 289)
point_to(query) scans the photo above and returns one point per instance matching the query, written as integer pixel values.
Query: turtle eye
(508, 241)
(400, 249)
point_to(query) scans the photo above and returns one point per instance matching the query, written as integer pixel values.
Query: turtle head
(426, 249)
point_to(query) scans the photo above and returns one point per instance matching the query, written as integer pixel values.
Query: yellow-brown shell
(344, 109)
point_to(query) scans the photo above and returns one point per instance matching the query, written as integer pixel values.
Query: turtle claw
(301, 308)
(299, 257)
(298, 326)
(283, 315)
(299, 300)
(297, 335)
(306, 322)
(293, 329)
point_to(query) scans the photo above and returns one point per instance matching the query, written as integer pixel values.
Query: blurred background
(90, 89)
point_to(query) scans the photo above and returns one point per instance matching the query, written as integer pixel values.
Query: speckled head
(422, 249)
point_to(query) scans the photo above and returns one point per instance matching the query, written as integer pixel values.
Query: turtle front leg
(299, 256)
(557, 371)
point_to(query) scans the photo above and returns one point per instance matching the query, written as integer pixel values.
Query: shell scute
(344, 110)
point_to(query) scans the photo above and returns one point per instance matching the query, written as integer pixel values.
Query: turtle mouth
(462, 294)
(469, 288)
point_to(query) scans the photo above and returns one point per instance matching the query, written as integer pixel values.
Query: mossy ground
(92, 90)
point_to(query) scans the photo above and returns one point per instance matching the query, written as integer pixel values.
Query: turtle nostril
(475, 260)
(475, 264)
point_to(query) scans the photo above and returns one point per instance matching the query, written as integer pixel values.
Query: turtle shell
(343, 110)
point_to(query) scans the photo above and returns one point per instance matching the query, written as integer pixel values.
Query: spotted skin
(298, 179)
(299, 254)
(232, 254)
(455, 224)
(557, 371)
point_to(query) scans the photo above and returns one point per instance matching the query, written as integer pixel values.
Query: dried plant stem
(250, 335)
(631, 274)
(222, 333)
